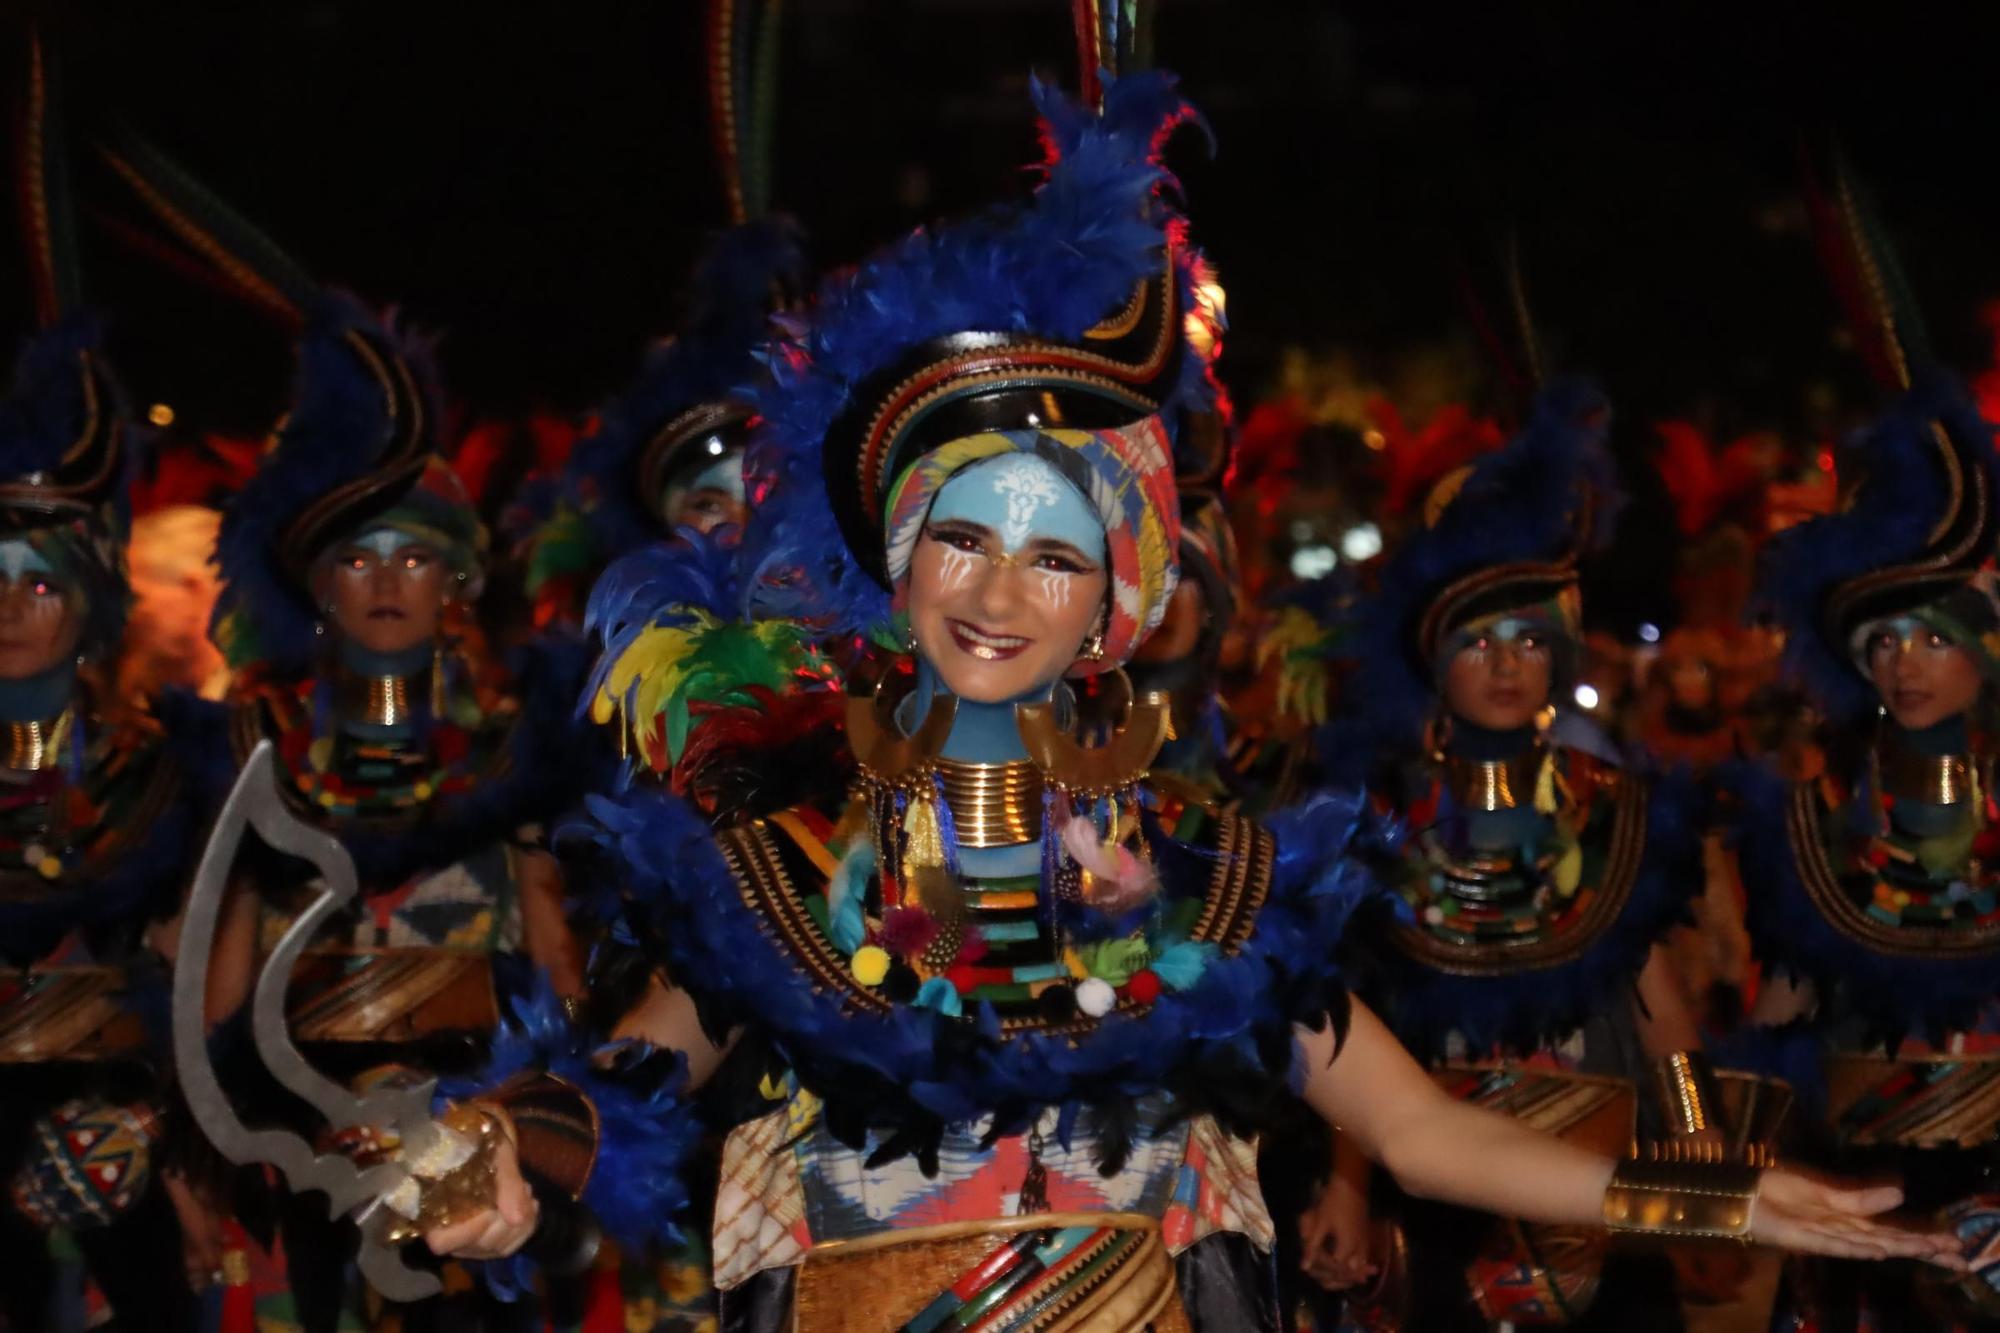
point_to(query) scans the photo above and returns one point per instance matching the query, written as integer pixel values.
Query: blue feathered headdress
(747, 272)
(1025, 288)
(1917, 527)
(1515, 526)
(66, 458)
(364, 426)
(66, 437)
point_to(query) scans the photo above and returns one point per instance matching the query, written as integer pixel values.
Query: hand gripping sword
(430, 1150)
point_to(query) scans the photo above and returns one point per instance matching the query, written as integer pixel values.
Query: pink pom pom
(1119, 880)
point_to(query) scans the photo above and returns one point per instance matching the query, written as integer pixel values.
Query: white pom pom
(1095, 997)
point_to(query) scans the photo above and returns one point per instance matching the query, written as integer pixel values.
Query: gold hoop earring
(879, 745)
(1437, 735)
(1097, 770)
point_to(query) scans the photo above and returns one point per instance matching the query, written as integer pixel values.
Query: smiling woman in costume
(1017, 1013)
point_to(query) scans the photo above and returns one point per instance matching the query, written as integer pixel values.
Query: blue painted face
(1021, 499)
(725, 474)
(1008, 580)
(383, 543)
(41, 619)
(19, 557)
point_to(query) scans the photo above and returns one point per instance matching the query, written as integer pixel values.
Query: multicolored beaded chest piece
(1080, 929)
(1904, 858)
(1516, 859)
(394, 762)
(71, 805)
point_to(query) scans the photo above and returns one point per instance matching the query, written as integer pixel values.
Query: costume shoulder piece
(1518, 948)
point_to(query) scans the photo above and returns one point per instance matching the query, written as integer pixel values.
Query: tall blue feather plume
(1053, 267)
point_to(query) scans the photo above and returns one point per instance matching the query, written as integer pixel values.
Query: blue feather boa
(646, 1131)
(1527, 1010)
(1927, 997)
(914, 1070)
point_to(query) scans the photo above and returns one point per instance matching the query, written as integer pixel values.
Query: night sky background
(532, 181)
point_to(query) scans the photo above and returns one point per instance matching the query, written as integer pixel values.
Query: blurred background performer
(1873, 897)
(352, 567)
(99, 816)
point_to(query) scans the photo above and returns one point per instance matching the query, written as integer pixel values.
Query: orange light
(160, 414)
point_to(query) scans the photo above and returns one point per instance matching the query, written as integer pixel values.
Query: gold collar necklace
(33, 746)
(1493, 784)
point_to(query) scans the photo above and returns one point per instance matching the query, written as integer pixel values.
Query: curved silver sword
(256, 802)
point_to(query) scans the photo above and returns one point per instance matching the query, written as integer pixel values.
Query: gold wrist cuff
(1682, 1199)
(1688, 1094)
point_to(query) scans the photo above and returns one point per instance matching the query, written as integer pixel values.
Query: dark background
(532, 180)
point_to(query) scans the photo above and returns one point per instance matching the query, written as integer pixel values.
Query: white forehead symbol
(384, 542)
(1027, 488)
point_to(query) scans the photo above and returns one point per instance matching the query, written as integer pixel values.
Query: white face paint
(384, 542)
(18, 557)
(1056, 585)
(957, 568)
(1028, 487)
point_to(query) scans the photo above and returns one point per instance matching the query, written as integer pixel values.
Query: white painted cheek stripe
(957, 568)
(1056, 587)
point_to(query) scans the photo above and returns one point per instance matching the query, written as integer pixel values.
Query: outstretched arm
(1439, 1148)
